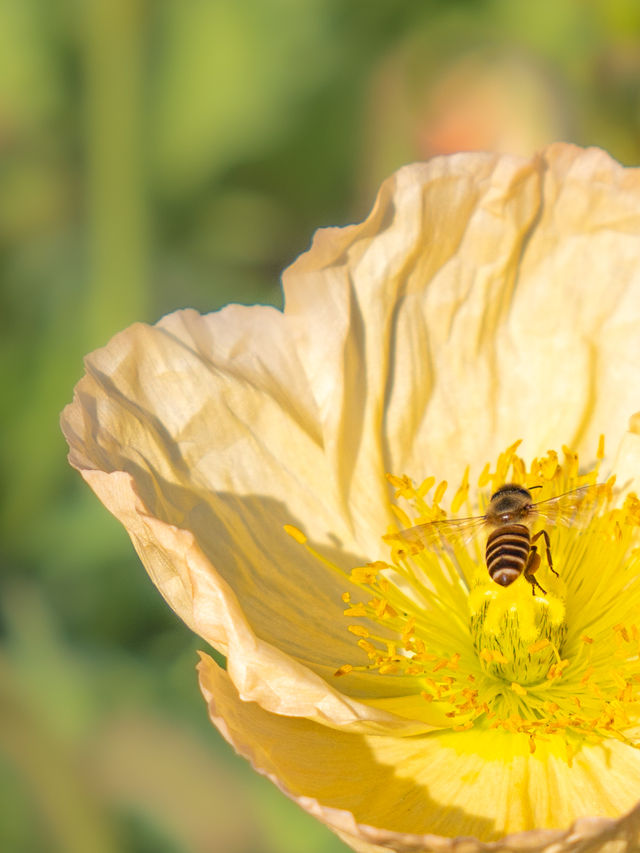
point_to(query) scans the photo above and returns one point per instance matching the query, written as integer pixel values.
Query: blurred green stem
(115, 42)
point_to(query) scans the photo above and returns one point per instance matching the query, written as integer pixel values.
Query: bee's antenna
(531, 488)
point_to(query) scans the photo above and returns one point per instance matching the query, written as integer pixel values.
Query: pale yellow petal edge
(586, 835)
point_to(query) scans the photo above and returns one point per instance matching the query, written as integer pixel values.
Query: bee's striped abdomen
(507, 552)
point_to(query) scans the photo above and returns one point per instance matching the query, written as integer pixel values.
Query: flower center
(536, 632)
(517, 636)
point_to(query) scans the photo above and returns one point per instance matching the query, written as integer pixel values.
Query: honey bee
(510, 550)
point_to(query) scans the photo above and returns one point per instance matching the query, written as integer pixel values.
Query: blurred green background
(156, 154)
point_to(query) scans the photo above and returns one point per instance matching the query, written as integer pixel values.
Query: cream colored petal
(580, 301)
(204, 449)
(419, 793)
(485, 299)
(172, 398)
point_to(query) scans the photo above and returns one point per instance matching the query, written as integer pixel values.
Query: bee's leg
(544, 533)
(533, 564)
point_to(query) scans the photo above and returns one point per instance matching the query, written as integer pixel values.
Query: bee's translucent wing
(573, 509)
(437, 534)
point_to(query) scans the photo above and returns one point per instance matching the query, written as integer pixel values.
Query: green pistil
(517, 636)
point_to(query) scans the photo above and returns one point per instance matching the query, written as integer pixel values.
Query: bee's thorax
(510, 504)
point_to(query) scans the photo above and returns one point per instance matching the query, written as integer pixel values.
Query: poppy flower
(265, 465)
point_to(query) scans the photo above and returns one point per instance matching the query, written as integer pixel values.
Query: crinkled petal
(431, 793)
(203, 451)
(486, 298)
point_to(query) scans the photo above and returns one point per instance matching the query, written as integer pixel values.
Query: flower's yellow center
(550, 657)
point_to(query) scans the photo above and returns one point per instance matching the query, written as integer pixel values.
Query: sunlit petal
(426, 790)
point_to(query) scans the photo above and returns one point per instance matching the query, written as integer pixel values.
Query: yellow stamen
(359, 631)
(439, 494)
(556, 664)
(462, 493)
(295, 533)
